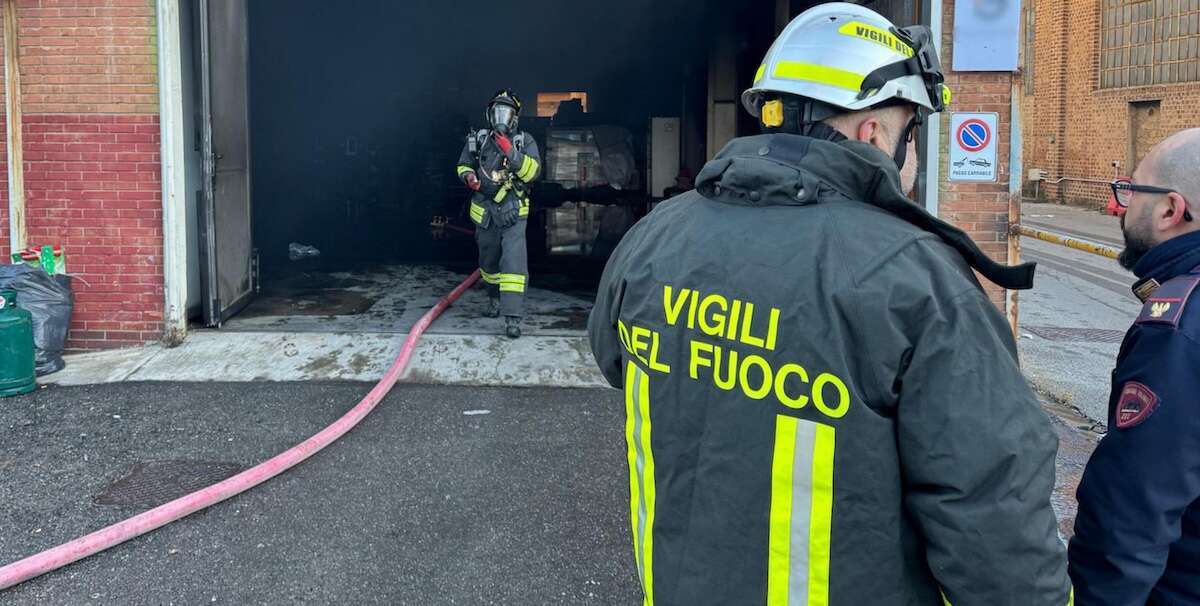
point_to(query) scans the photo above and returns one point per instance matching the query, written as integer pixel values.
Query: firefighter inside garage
(358, 113)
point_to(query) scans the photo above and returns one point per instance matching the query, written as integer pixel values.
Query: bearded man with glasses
(1137, 535)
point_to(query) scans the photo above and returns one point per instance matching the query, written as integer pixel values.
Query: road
(1072, 322)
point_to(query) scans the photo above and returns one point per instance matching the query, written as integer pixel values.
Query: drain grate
(154, 483)
(1088, 335)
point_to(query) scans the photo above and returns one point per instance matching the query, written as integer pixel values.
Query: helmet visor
(926, 63)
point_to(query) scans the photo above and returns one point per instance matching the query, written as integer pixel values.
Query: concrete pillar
(18, 233)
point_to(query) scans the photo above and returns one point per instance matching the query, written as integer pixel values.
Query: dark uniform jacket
(1137, 535)
(502, 179)
(823, 406)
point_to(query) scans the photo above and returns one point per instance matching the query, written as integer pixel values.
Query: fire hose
(91, 544)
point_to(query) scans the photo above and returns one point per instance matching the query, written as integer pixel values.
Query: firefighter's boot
(493, 308)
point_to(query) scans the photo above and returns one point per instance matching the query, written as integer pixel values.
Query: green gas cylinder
(17, 374)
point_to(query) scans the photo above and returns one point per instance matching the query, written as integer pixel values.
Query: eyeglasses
(1123, 190)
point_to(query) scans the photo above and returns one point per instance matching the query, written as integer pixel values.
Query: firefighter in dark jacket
(497, 164)
(1137, 534)
(822, 405)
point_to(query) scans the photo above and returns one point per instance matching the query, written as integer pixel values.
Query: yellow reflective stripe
(821, 74)
(464, 169)
(510, 282)
(641, 475)
(648, 492)
(502, 278)
(529, 168)
(780, 534)
(801, 513)
(499, 197)
(524, 210)
(635, 493)
(476, 212)
(821, 525)
(762, 70)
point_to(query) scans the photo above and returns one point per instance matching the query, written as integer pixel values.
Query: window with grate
(1145, 42)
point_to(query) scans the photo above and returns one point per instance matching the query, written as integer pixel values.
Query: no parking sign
(973, 147)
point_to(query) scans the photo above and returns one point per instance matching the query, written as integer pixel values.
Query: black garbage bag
(50, 300)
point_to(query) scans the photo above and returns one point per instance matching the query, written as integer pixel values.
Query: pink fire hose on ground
(53, 559)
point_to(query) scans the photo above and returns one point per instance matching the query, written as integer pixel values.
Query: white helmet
(846, 58)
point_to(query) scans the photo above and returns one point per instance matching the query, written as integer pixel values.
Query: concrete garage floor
(342, 326)
(390, 299)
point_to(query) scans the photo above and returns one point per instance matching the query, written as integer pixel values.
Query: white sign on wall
(973, 147)
(986, 35)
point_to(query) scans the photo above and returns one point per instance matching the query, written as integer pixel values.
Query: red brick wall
(89, 94)
(1072, 127)
(981, 209)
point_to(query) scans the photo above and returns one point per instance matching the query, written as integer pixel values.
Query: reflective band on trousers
(641, 475)
(821, 74)
(506, 282)
(801, 513)
(512, 284)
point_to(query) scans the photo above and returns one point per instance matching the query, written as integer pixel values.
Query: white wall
(189, 50)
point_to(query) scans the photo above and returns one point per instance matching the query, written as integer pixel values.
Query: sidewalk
(335, 326)
(1085, 223)
(1073, 320)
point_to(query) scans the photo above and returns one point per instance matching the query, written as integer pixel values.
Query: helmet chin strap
(901, 155)
(806, 117)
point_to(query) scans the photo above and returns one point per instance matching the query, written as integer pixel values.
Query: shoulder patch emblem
(1166, 305)
(1137, 403)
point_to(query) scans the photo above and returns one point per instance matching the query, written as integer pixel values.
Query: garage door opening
(336, 127)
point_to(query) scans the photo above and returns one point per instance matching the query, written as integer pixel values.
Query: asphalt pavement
(444, 495)
(1072, 322)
